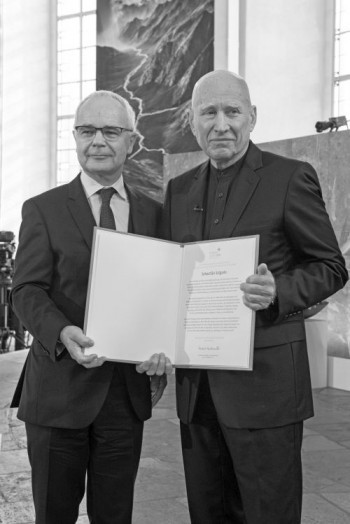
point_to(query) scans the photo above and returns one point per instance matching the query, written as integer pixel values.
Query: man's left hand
(259, 290)
(157, 364)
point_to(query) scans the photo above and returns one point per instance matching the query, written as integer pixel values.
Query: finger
(258, 299)
(251, 305)
(148, 366)
(83, 341)
(168, 366)
(96, 362)
(77, 354)
(86, 359)
(154, 360)
(260, 280)
(143, 367)
(255, 303)
(262, 269)
(161, 364)
(258, 290)
(87, 343)
(157, 364)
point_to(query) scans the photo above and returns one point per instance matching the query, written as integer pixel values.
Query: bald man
(83, 415)
(242, 431)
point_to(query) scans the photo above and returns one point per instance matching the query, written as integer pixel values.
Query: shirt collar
(91, 186)
(229, 171)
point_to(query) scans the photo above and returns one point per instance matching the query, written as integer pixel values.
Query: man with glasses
(83, 415)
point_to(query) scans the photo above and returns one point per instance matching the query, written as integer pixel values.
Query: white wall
(28, 117)
(284, 49)
(288, 64)
(226, 34)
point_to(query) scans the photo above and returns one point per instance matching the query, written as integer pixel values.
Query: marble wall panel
(329, 153)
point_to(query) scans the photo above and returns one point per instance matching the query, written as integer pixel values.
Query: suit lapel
(196, 201)
(239, 197)
(238, 200)
(137, 211)
(80, 210)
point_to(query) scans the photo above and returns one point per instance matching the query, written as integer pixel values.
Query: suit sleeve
(318, 269)
(34, 267)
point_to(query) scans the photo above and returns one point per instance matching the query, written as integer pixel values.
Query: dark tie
(106, 216)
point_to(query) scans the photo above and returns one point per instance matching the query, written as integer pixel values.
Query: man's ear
(190, 121)
(253, 117)
(132, 140)
(74, 135)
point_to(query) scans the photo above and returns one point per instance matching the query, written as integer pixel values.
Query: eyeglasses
(108, 132)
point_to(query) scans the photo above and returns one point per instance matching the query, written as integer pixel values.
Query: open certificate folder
(148, 296)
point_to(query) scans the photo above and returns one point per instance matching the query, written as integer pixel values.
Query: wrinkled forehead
(103, 111)
(216, 90)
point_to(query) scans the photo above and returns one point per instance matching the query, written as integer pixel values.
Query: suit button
(216, 221)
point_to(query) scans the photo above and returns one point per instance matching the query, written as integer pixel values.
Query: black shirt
(219, 185)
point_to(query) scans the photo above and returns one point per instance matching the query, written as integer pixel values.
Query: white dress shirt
(119, 202)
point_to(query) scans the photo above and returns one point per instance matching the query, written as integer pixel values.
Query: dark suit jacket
(279, 199)
(49, 293)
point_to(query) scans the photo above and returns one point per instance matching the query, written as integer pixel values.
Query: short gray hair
(118, 98)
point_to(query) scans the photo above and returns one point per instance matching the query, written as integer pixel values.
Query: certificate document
(148, 296)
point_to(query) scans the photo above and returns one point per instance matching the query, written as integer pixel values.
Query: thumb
(83, 341)
(262, 269)
(87, 342)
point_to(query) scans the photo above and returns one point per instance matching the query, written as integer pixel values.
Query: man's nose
(221, 123)
(99, 138)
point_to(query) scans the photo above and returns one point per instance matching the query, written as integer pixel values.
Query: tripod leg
(4, 341)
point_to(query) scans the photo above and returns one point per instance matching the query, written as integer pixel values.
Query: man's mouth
(221, 139)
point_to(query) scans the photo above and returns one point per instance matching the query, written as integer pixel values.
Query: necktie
(106, 216)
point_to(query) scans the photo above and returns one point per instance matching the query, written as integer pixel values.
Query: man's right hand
(73, 338)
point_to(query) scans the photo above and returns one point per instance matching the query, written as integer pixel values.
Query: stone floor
(160, 491)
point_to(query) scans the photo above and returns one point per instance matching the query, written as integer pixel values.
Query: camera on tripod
(9, 326)
(7, 249)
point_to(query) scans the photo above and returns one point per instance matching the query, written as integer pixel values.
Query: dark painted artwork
(152, 52)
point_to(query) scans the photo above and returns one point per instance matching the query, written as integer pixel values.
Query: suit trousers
(107, 451)
(240, 476)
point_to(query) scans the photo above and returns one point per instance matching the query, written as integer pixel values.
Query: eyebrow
(99, 127)
(213, 106)
(206, 107)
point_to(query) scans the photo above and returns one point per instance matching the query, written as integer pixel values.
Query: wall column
(28, 108)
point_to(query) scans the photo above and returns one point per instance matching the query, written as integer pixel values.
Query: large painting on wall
(152, 52)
